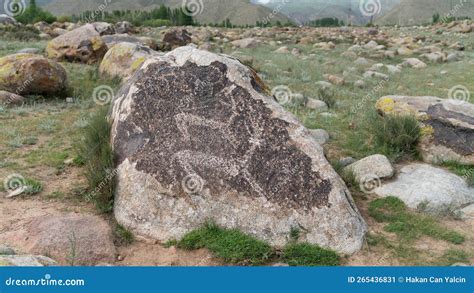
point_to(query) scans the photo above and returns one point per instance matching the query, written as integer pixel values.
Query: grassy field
(40, 141)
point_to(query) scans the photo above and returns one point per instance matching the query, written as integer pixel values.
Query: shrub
(95, 151)
(409, 225)
(305, 254)
(34, 14)
(229, 244)
(19, 33)
(396, 135)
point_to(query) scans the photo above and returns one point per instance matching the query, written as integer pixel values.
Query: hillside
(411, 12)
(302, 11)
(239, 12)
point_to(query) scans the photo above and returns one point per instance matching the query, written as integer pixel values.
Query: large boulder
(176, 38)
(198, 137)
(69, 239)
(104, 28)
(31, 74)
(124, 27)
(83, 44)
(447, 126)
(433, 189)
(124, 59)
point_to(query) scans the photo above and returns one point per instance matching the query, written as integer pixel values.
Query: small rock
(359, 83)
(320, 135)
(8, 99)
(376, 166)
(347, 161)
(316, 105)
(282, 50)
(334, 79)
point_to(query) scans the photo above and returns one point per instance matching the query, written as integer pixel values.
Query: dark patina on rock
(218, 132)
(197, 138)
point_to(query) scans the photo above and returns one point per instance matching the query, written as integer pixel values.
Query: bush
(409, 225)
(95, 151)
(231, 245)
(34, 14)
(305, 254)
(156, 22)
(19, 33)
(396, 135)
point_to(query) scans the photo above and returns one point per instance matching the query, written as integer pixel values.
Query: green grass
(465, 171)
(305, 254)
(230, 245)
(235, 247)
(123, 236)
(396, 136)
(95, 151)
(409, 225)
(453, 256)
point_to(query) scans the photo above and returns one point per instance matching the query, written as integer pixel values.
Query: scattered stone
(361, 61)
(415, 63)
(176, 38)
(434, 189)
(404, 51)
(282, 50)
(83, 45)
(236, 157)
(31, 74)
(334, 79)
(392, 69)
(316, 105)
(465, 213)
(124, 27)
(376, 166)
(123, 59)
(104, 28)
(435, 57)
(320, 135)
(374, 74)
(8, 99)
(372, 45)
(6, 19)
(245, 43)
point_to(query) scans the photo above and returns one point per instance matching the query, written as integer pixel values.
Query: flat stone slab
(434, 188)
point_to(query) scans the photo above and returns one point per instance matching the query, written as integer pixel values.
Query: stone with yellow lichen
(83, 44)
(123, 59)
(31, 74)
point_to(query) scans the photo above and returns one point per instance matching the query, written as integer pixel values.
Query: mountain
(412, 12)
(350, 11)
(240, 12)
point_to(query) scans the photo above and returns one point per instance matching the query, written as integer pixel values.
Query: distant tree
(33, 14)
